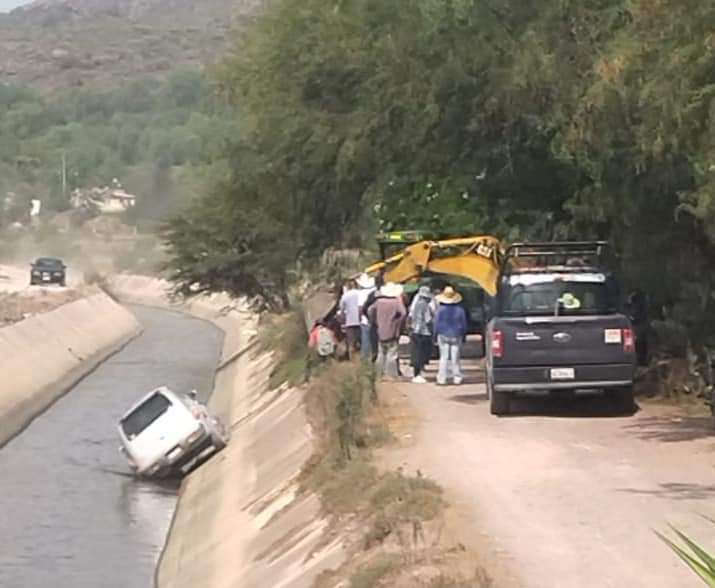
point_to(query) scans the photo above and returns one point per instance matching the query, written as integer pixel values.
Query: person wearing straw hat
(421, 323)
(349, 312)
(450, 329)
(387, 313)
(371, 299)
(366, 285)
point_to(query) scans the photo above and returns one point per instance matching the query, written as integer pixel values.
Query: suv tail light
(497, 344)
(629, 345)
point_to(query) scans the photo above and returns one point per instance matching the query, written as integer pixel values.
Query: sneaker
(419, 380)
(457, 381)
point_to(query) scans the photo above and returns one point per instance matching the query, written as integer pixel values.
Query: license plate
(563, 374)
(612, 336)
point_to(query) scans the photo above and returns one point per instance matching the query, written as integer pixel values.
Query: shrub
(698, 559)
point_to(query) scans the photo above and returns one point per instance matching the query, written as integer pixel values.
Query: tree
(557, 118)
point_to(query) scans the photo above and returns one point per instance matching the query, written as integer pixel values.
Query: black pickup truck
(557, 326)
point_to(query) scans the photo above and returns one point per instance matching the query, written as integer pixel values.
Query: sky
(7, 5)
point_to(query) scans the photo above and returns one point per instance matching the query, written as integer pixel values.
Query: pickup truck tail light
(497, 344)
(629, 345)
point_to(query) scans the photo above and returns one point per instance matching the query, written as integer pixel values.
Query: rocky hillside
(57, 43)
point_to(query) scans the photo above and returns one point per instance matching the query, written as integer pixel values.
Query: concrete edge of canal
(240, 520)
(44, 356)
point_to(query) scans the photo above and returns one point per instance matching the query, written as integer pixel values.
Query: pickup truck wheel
(499, 402)
(623, 400)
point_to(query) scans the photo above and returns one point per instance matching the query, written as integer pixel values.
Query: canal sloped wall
(240, 521)
(43, 356)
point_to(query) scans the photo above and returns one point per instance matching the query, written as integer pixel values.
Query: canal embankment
(43, 356)
(73, 513)
(242, 519)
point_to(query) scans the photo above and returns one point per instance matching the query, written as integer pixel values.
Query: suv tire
(218, 437)
(623, 400)
(499, 402)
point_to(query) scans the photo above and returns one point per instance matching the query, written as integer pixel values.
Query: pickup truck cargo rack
(547, 253)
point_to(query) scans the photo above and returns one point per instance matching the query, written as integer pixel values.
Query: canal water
(71, 513)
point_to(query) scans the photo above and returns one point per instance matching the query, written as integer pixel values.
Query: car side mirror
(193, 395)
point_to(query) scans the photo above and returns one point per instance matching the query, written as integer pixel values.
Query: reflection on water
(72, 514)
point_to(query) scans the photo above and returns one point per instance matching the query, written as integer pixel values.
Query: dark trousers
(374, 342)
(352, 338)
(420, 351)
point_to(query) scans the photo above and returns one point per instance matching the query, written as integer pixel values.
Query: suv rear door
(536, 329)
(156, 426)
(574, 340)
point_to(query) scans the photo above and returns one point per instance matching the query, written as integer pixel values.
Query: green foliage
(147, 133)
(287, 337)
(550, 119)
(698, 559)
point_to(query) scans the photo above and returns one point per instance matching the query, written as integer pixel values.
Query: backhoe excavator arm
(475, 258)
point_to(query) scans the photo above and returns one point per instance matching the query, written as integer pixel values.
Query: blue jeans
(366, 342)
(450, 349)
(387, 358)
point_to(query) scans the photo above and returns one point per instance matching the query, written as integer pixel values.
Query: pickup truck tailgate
(562, 340)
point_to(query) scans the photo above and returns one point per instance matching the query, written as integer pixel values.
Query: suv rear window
(48, 262)
(145, 414)
(541, 298)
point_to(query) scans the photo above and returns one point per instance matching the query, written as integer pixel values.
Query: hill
(60, 43)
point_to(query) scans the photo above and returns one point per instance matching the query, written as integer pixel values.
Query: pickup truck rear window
(541, 299)
(145, 414)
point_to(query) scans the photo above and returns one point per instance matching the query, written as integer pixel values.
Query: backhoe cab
(393, 242)
(470, 264)
(473, 258)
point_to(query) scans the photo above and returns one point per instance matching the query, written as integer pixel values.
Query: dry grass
(287, 337)
(378, 506)
(480, 580)
(17, 306)
(391, 522)
(371, 574)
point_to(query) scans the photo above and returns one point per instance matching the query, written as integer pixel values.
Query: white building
(106, 200)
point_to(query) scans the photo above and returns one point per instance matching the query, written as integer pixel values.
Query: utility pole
(64, 175)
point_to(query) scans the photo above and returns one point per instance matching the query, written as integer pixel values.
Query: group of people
(374, 316)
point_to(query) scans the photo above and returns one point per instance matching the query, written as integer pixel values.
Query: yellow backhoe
(475, 258)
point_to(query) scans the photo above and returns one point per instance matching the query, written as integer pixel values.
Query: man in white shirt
(350, 316)
(366, 286)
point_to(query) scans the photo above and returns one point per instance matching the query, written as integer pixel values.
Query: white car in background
(166, 434)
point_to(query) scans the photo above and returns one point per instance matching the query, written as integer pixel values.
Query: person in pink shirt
(388, 314)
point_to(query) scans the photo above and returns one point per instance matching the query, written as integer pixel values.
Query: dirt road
(14, 278)
(19, 300)
(566, 494)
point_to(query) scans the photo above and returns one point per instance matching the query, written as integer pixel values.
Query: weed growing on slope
(287, 337)
(370, 575)
(342, 407)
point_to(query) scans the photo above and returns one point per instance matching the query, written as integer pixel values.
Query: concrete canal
(72, 514)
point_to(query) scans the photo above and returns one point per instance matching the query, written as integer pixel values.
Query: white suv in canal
(166, 433)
